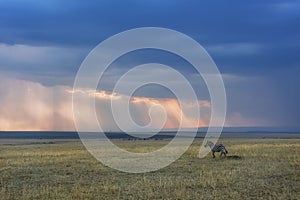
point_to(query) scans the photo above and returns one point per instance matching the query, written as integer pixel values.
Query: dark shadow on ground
(233, 157)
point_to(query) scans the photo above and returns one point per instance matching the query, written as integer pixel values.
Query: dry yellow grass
(269, 169)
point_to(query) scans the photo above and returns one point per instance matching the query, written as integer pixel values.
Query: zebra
(216, 148)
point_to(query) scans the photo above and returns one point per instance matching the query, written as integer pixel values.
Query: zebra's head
(209, 144)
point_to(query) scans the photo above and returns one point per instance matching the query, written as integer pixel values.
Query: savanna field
(63, 169)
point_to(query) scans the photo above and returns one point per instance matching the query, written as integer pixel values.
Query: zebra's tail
(226, 151)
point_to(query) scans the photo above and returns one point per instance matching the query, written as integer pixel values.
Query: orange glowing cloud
(29, 105)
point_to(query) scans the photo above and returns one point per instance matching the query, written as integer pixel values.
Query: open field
(63, 169)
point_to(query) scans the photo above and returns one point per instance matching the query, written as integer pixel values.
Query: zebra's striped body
(216, 148)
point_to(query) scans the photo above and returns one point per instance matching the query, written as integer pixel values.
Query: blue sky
(255, 45)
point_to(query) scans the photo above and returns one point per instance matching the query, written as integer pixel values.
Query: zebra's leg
(223, 153)
(213, 153)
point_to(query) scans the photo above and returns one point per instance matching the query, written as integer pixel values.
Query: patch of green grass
(269, 169)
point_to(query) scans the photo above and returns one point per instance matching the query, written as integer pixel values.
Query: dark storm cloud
(272, 26)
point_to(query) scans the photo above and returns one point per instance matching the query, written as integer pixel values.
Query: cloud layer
(29, 105)
(255, 45)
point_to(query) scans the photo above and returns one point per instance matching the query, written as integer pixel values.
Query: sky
(255, 45)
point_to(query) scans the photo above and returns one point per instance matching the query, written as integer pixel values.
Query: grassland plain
(41, 169)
